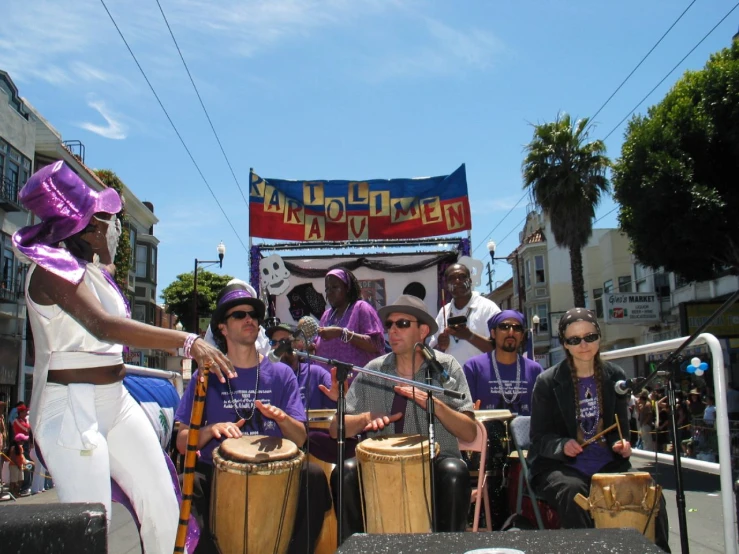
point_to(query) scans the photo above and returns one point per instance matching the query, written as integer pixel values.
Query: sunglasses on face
(517, 327)
(242, 314)
(574, 341)
(400, 324)
(274, 342)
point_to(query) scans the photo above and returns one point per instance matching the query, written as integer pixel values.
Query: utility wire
(643, 60)
(202, 104)
(672, 70)
(649, 93)
(174, 127)
(500, 222)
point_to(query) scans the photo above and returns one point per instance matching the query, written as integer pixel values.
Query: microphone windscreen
(308, 327)
(273, 357)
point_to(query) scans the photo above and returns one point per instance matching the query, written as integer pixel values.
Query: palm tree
(567, 175)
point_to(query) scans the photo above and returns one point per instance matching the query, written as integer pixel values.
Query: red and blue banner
(359, 210)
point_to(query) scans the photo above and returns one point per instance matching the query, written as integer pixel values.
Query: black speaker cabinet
(53, 528)
(565, 541)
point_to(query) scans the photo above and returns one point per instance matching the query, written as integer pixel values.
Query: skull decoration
(274, 274)
(475, 267)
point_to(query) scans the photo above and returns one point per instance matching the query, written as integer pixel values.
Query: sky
(338, 89)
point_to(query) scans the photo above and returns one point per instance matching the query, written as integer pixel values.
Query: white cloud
(113, 130)
(440, 50)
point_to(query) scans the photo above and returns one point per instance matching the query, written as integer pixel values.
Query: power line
(174, 127)
(642, 60)
(202, 104)
(500, 222)
(672, 70)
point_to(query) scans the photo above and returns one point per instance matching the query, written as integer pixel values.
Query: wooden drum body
(326, 543)
(394, 483)
(623, 500)
(254, 496)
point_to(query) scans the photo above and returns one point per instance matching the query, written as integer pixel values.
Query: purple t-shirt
(361, 318)
(278, 386)
(309, 377)
(595, 455)
(484, 385)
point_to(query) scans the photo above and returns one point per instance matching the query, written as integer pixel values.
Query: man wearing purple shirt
(503, 379)
(263, 398)
(309, 375)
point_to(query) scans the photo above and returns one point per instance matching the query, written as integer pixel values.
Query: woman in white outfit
(87, 427)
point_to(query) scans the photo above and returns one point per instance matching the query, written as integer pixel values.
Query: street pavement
(702, 497)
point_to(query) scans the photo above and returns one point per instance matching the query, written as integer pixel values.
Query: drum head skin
(257, 449)
(485, 415)
(395, 444)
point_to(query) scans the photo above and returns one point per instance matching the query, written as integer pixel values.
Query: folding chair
(480, 444)
(520, 429)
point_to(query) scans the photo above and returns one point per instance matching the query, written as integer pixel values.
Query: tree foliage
(178, 295)
(566, 174)
(123, 255)
(676, 178)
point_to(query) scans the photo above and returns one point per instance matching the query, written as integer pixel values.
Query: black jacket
(553, 420)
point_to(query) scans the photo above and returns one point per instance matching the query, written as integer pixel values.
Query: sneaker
(4, 497)
(25, 493)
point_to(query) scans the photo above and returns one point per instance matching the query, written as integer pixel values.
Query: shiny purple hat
(65, 204)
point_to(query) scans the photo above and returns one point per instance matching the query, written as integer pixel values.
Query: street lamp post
(491, 249)
(221, 249)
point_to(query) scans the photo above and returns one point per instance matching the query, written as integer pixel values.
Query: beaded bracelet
(191, 338)
(346, 336)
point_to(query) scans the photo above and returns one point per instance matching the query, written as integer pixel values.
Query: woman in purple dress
(350, 330)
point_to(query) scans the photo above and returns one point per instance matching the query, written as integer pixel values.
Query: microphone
(437, 369)
(307, 328)
(282, 349)
(623, 388)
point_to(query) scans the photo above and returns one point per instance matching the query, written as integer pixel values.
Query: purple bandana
(340, 274)
(506, 314)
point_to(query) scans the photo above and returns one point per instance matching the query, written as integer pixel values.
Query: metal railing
(8, 190)
(723, 468)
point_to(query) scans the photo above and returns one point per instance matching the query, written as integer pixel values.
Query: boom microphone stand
(672, 365)
(342, 371)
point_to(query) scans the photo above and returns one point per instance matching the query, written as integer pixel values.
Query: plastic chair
(520, 430)
(480, 444)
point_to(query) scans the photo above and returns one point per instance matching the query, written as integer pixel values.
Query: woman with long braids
(88, 428)
(573, 402)
(350, 330)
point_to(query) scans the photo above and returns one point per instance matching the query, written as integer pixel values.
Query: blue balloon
(703, 366)
(691, 368)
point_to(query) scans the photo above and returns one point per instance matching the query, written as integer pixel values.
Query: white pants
(128, 450)
(39, 473)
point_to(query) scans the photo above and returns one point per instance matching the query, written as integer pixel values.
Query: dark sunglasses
(517, 327)
(400, 324)
(590, 337)
(242, 314)
(274, 342)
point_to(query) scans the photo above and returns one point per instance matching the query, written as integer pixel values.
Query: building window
(661, 284)
(527, 273)
(153, 264)
(139, 313)
(8, 265)
(598, 297)
(608, 286)
(141, 259)
(542, 310)
(539, 264)
(624, 283)
(640, 278)
(132, 241)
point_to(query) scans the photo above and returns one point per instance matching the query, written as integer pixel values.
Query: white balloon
(695, 362)
(699, 372)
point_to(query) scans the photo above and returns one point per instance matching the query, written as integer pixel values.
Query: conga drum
(623, 500)
(254, 494)
(394, 484)
(326, 543)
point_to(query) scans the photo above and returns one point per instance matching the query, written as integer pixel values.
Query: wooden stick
(443, 306)
(599, 435)
(196, 419)
(619, 428)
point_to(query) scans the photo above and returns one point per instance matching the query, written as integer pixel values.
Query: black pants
(308, 520)
(559, 487)
(452, 495)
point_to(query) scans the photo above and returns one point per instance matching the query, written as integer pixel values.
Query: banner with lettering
(359, 210)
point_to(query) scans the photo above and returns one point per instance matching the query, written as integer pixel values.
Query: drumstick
(196, 419)
(619, 428)
(599, 435)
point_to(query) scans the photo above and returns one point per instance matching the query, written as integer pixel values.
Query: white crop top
(67, 343)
